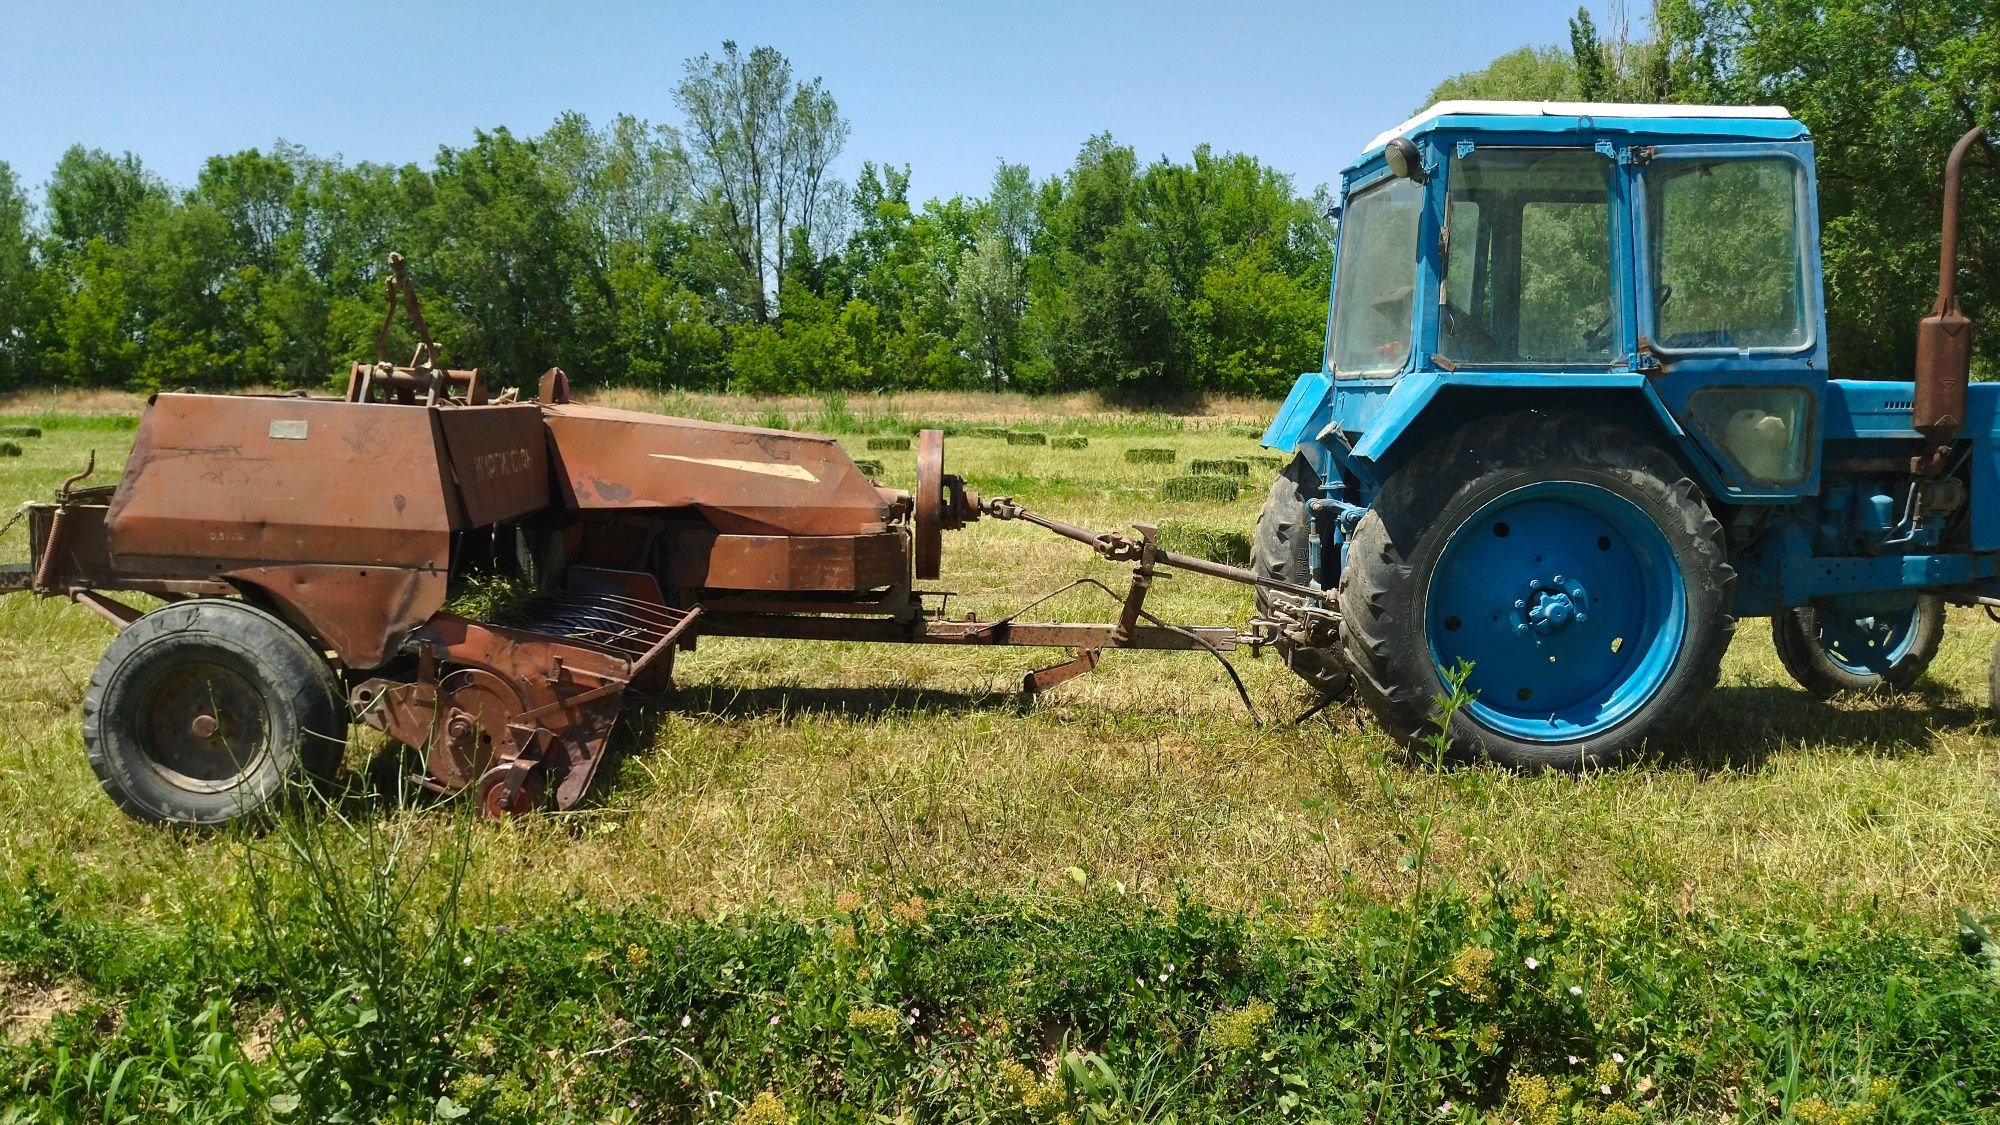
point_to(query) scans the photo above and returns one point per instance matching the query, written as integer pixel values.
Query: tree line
(721, 251)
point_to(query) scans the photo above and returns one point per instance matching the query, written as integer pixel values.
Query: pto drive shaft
(1121, 548)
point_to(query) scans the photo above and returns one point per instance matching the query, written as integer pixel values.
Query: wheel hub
(1550, 605)
(202, 725)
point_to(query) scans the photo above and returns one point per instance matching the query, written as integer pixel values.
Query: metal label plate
(293, 429)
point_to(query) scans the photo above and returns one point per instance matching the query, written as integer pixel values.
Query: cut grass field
(787, 771)
(798, 780)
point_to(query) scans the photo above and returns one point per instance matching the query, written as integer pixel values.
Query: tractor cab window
(1375, 280)
(1527, 259)
(1726, 254)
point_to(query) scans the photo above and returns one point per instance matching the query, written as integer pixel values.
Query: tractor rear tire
(1575, 567)
(207, 711)
(1829, 656)
(1281, 550)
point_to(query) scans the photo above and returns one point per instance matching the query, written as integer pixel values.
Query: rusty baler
(305, 546)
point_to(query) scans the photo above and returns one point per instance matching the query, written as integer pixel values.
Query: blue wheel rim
(1867, 646)
(1568, 602)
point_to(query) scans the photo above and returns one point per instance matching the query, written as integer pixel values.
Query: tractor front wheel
(1570, 566)
(1283, 551)
(1831, 653)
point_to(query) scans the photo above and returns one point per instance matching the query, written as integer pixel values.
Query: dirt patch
(262, 1030)
(27, 1007)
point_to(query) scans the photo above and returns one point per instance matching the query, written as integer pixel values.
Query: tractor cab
(1662, 256)
(1574, 421)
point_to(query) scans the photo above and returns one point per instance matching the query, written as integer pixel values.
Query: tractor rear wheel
(206, 711)
(1282, 551)
(1829, 653)
(1573, 567)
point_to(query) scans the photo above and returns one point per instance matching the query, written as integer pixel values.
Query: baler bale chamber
(305, 549)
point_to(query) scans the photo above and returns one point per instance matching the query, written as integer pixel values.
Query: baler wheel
(491, 791)
(1574, 567)
(207, 711)
(1829, 654)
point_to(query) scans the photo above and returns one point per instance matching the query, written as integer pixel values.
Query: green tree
(271, 313)
(902, 261)
(20, 289)
(93, 194)
(1525, 74)
(758, 148)
(94, 324)
(992, 288)
(506, 266)
(1590, 70)
(1102, 311)
(1618, 69)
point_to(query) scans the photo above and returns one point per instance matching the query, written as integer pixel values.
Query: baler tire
(1281, 550)
(1396, 549)
(1795, 636)
(211, 664)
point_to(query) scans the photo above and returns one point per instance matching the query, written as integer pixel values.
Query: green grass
(1762, 914)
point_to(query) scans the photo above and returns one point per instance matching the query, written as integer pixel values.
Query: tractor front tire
(207, 711)
(1830, 655)
(1282, 551)
(1572, 566)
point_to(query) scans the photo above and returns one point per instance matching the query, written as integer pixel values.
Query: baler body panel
(499, 459)
(340, 513)
(741, 479)
(214, 481)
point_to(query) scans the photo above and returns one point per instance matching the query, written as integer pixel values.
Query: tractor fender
(1423, 407)
(1305, 412)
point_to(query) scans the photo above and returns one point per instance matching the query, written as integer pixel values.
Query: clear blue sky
(946, 88)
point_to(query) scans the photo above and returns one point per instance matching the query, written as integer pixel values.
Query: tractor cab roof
(1587, 122)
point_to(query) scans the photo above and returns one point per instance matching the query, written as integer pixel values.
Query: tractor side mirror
(1404, 160)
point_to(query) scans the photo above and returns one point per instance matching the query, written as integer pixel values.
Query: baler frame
(345, 519)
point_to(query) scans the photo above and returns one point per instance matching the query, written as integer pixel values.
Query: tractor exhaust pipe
(1944, 338)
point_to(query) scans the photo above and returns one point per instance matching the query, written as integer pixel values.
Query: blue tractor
(1574, 422)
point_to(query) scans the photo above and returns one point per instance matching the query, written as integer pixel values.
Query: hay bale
(1228, 467)
(20, 431)
(1149, 455)
(1243, 430)
(1069, 441)
(1274, 464)
(1205, 541)
(869, 468)
(997, 433)
(9, 449)
(1199, 488)
(897, 444)
(1027, 437)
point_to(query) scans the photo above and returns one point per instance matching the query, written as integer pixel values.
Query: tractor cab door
(1731, 325)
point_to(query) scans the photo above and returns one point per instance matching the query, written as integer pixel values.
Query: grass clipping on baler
(496, 599)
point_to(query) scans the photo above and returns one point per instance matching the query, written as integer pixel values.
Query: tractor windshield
(1527, 258)
(1376, 277)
